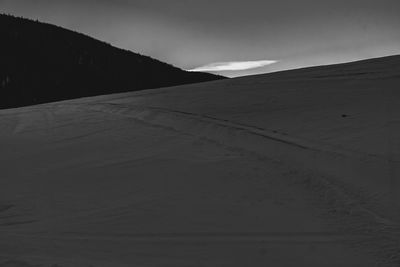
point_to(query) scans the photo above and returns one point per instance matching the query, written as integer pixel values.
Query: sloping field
(297, 168)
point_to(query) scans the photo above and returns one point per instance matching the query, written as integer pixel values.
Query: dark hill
(42, 63)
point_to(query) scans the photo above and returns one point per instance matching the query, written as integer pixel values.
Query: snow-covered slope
(296, 168)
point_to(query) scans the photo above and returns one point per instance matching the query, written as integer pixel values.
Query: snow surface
(296, 168)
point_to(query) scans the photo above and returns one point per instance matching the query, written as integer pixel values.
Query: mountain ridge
(43, 63)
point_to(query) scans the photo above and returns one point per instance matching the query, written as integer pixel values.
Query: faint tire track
(349, 207)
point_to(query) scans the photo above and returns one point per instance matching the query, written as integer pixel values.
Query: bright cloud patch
(234, 65)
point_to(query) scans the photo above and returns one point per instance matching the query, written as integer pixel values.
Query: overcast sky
(246, 36)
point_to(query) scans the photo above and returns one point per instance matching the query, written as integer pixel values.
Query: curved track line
(251, 129)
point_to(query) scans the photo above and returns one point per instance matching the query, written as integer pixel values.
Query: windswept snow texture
(298, 168)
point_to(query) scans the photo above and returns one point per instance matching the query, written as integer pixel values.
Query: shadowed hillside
(296, 168)
(43, 63)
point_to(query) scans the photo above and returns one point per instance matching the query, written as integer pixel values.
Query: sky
(231, 37)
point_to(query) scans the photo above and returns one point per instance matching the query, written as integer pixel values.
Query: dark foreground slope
(290, 169)
(43, 63)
